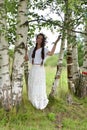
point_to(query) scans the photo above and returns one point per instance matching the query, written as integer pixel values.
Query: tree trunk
(69, 46)
(83, 82)
(5, 87)
(59, 63)
(59, 68)
(26, 73)
(18, 64)
(69, 68)
(76, 69)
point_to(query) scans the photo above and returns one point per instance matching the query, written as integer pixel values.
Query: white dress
(37, 81)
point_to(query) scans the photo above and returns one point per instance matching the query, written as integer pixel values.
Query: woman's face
(39, 40)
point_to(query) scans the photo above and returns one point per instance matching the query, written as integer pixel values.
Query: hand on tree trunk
(26, 57)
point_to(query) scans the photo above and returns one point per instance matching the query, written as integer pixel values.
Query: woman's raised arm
(50, 53)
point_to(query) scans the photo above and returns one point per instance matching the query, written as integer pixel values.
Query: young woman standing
(37, 81)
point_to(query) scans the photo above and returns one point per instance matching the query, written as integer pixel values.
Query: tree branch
(79, 32)
(57, 24)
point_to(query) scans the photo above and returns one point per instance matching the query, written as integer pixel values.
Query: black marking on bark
(24, 24)
(20, 35)
(68, 53)
(4, 48)
(21, 11)
(19, 47)
(1, 4)
(22, 64)
(85, 67)
(5, 65)
(69, 77)
(22, 0)
(5, 73)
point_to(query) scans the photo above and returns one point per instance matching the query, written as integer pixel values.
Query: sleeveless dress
(37, 81)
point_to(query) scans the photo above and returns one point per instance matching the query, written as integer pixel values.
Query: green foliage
(11, 11)
(37, 20)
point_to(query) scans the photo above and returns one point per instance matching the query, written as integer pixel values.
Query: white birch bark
(59, 68)
(69, 67)
(69, 47)
(84, 68)
(5, 87)
(59, 63)
(18, 65)
(76, 69)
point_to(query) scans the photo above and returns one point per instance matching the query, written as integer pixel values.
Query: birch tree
(83, 84)
(69, 46)
(76, 68)
(18, 64)
(59, 67)
(5, 85)
(78, 77)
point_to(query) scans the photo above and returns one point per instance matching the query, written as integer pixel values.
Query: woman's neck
(38, 46)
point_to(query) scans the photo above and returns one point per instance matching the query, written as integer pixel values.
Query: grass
(57, 116)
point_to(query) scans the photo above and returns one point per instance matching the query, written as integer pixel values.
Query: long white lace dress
(37, 81)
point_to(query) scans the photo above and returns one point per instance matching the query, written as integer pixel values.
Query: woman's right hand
(26, 57)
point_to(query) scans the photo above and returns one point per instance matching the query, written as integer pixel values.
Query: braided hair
(42, 46)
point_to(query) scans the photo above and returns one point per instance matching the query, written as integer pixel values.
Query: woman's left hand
(59, 37)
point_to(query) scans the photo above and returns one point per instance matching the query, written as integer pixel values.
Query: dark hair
(42, 46)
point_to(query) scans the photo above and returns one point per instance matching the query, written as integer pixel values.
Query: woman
(37, 82)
